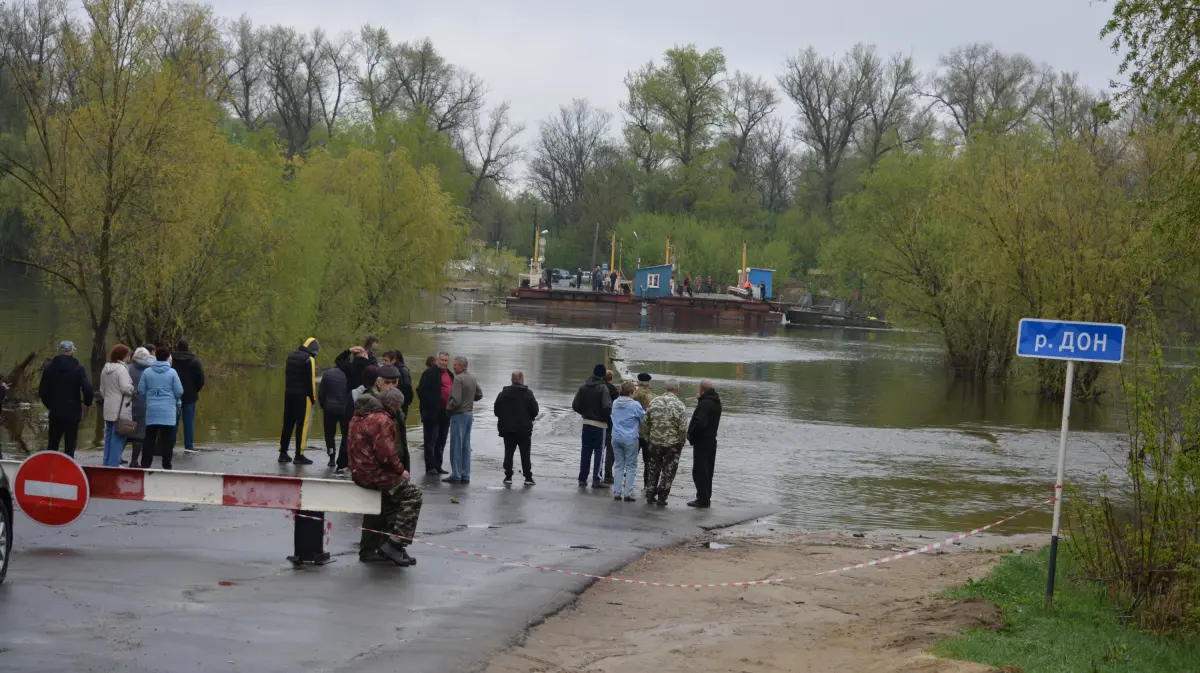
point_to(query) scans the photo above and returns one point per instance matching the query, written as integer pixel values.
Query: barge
(708, 307)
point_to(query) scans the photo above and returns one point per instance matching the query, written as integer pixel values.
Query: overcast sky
(539, 54)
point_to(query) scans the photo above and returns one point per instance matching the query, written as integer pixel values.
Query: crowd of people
(368, 401)
(149, 394)
(146, 395)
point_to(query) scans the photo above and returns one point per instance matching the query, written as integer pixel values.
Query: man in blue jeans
(594, 403)
(464, 393)
(191, 375)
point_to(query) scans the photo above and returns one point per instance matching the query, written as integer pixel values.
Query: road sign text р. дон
(1066, 340)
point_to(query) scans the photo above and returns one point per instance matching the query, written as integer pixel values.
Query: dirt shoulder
(873, 619)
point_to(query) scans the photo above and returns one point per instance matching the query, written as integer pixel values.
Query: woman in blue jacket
(161, 388)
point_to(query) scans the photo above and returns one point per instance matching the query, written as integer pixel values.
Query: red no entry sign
(51, 488)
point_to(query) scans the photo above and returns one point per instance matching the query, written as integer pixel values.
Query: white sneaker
(190, 451)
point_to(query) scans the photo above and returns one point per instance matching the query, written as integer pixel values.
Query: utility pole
(595, 242)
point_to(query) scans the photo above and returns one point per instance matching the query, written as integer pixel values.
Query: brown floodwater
(837, 428)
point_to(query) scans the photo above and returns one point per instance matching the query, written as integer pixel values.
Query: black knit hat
(599, 371)
(644, 377)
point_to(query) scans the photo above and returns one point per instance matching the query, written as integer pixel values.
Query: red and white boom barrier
(54, 490)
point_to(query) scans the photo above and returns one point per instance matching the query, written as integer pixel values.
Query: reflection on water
(838, 428)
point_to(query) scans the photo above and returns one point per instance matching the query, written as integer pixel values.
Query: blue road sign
(1066, 340)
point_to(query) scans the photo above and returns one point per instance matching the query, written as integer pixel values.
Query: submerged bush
(1140, 534)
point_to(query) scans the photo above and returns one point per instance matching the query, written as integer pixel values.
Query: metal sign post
(1070, 341)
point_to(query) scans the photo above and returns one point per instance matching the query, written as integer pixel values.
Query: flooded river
(837, 428)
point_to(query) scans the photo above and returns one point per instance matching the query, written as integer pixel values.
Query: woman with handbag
(142, 360)
(116, 387)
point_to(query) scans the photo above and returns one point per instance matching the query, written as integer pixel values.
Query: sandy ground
(873, 619)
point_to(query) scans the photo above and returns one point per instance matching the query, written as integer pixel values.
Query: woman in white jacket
(117, 389)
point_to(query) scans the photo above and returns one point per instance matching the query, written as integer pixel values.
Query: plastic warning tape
(671, 585)
(936, 545)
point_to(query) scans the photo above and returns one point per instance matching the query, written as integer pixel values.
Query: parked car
(6, 524)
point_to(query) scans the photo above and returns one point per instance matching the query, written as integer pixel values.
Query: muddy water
(837, 428)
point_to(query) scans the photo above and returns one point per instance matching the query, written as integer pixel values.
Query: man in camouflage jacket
(381, 463)
(665, 429)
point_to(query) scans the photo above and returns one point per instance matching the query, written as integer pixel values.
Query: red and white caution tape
(935, 545)
(746, 583)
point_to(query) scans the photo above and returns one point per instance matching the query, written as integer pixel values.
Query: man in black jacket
(702, 434)
(515, 410)
(396, 359)
(67, 393)
(191, 375)
(299, 394)
(594, 404)
(338, 408)
(434, 392)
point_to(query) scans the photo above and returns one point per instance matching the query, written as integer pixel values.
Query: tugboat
(834, 315)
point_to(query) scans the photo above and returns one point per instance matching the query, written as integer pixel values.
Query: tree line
(959, 199)
(172, 184)
(248, 166)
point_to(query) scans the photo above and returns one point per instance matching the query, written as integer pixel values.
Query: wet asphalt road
(149, 587)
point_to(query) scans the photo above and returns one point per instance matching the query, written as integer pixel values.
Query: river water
(837, 428)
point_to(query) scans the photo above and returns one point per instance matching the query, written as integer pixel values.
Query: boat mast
(612, 256)
(745, 271)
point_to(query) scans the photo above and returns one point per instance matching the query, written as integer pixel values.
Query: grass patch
(1082, 633)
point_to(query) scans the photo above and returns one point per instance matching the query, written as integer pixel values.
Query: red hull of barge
(712, 307)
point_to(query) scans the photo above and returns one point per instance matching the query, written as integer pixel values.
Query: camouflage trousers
(661, 464)
(401, 507)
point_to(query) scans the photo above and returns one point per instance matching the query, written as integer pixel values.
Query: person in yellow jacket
(299, 394)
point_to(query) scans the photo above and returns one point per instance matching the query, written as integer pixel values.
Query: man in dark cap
(644, 396)
(594, 404)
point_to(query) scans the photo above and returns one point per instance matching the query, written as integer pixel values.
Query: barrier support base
(310, 539)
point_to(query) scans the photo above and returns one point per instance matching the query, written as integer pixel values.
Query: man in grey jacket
(464, 393)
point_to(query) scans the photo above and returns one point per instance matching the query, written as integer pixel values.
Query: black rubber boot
(396, 554)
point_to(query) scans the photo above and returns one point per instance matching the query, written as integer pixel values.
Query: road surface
(150, 587)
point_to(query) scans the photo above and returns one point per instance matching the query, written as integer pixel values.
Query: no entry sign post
(51, 488)
(1073, 342)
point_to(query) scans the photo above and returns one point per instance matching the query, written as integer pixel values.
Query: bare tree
(450, 96)
(749, 101)
(1067, 110)
(834, 98)
(377, 85)
(983, 89)
(491, 149)
(339, 72)
(244, 72)
(293, 64)
(188, 38)
(565, 152)
(774, 162)
(894, 116)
